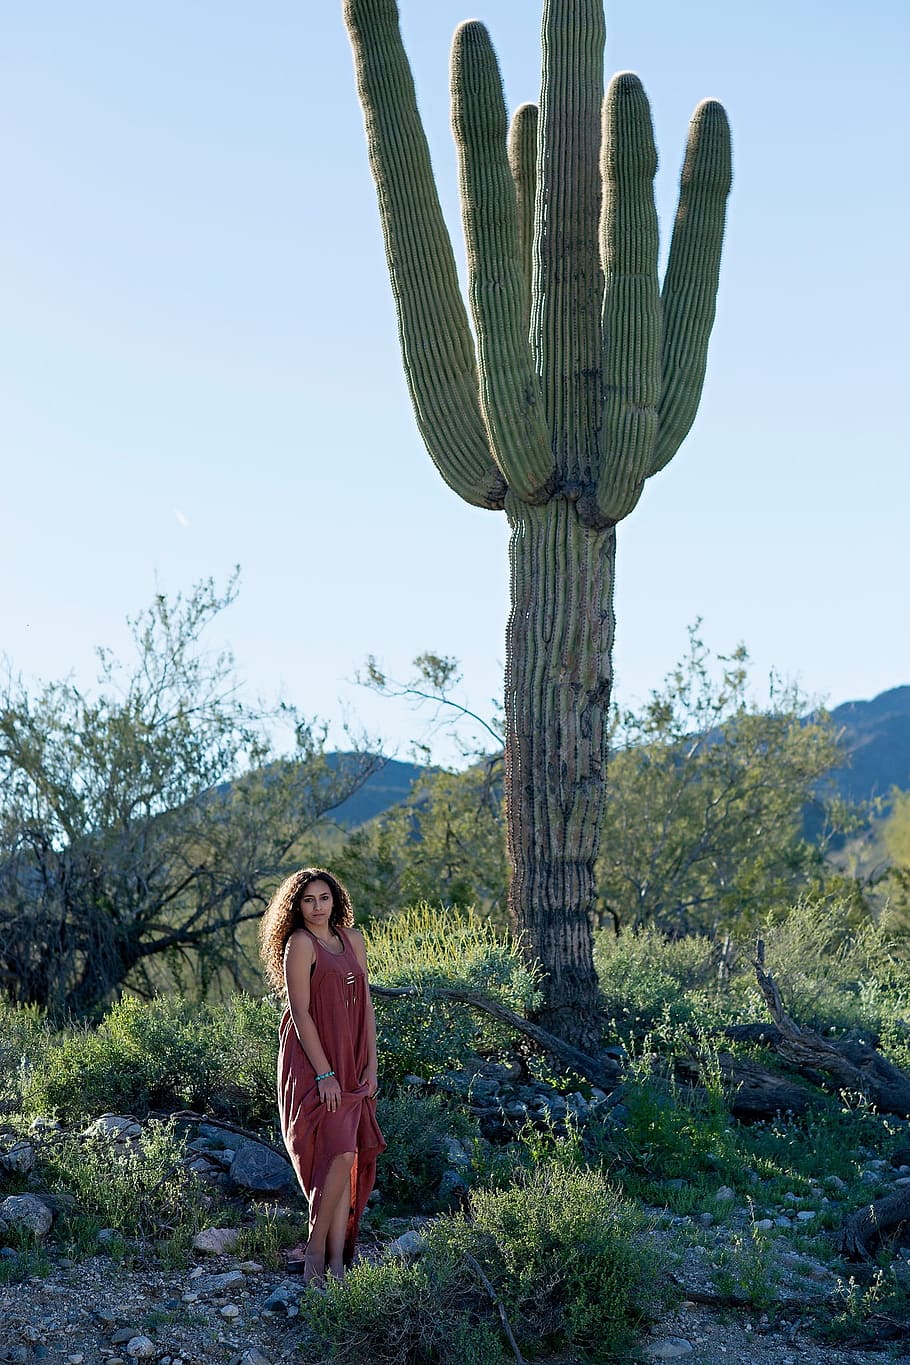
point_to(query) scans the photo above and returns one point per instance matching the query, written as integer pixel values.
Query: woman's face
(316, 905)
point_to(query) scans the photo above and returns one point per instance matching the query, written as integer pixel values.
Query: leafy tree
(142, 826)
(705, 819)
(705, 824)
(445, 844)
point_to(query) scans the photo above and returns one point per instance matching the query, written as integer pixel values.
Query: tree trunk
(557, 696)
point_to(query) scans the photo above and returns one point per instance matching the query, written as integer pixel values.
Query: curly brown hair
(283, 915)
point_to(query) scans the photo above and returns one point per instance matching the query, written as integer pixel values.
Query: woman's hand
(369, 1079)
(329, 1093)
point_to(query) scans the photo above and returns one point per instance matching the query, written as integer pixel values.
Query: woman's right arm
(298, 963)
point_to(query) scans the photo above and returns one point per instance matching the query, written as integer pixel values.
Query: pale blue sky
(199, 363)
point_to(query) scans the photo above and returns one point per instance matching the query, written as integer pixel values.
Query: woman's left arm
(371, 1071)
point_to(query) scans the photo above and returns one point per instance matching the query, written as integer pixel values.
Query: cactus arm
(631, 309)
(690, 284)
(523, 165)
(510, 395)
(568, 281)
(436, 342)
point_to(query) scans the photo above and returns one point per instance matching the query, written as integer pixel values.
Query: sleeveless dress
(314, 1136)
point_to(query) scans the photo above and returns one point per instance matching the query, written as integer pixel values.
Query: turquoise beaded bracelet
(325, 1075)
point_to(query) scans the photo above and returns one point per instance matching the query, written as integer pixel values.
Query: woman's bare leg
(335, 1195)
(338, 1230)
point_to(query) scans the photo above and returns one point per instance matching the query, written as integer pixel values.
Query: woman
(327, 1080)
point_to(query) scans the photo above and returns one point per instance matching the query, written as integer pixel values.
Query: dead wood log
(863, 1230)
(853, 1066)
(601, 1071)
(754, 1092)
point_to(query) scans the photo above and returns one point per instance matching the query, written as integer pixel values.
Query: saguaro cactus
(585, 379)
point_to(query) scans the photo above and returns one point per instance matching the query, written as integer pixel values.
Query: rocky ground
(109, 1309)
(228, 1313)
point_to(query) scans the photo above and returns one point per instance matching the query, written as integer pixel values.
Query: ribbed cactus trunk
(557, 694)
(581, 380)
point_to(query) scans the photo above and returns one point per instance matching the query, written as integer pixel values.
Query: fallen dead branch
(853, 1066)
(600, 1071)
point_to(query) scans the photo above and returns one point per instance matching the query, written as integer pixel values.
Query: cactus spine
(585, 380)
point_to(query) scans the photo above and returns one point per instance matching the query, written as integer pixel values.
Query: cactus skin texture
(585, 379)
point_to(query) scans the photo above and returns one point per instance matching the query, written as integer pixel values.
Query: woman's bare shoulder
(299, 945)
(357, 943)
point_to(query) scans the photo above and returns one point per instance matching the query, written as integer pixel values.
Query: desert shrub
(165, 1053)
(427, 947)
(648, 979)
(25, 1037)
(565, 1254)
(833, 972)
(405, 1313)
(418, 1129)
(141, 1187)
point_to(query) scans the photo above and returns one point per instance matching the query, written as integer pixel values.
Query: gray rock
(452, 1184)
(283, 1299)
(259, 1170)
(216, 1241)
(207, 1285)
(724, 1195)
(250, 1357)
(765, 1224)
(806, 1215)
(123, 1335)
(140, 1348)
(26, 1212)
(670, 1348)
(18, 1159)
(408, 1244)
(117, 1127)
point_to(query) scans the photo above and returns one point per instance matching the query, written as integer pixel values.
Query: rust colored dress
(313, 1135)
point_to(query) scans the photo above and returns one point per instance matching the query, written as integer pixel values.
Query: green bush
(564, 1253)
(649, 980)
(162, 1054)
(431, 948)
(417, 1129)
(426, 1312)
(142, 1187)
(25, 1037)
(834, 973)
(559, 1250)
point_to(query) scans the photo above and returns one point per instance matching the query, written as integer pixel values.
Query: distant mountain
(876, 737)
(877, 740)
(383, 789)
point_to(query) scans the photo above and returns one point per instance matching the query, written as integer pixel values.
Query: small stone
(123, 1335)
(107, 1235)
(189, 1297)
(706, 1219)
(77, 1359)
(670, 1348)
(230, 1311)
(259, 1170)
(765, 1224)
(118, 1127)
(724, 1194)
(216, 1241)
(250, 1267)
(252, 1357)
(783, 1222)
(806, 1215)
(140, 1348)
(26, 1211)
(413, 1082)
(408, 1244)
(836, 1183)
(18, 1159)
(220, 1284)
